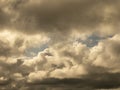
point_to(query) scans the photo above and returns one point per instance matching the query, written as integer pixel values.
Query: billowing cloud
(14, 44)
(106, 53)
(70, 64)
(94, 64)
(59, 45)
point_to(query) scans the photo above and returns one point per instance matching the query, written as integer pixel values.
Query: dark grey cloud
(4, 19)
(94, 81)
(7, 50)
(60, 16)
(90, 82)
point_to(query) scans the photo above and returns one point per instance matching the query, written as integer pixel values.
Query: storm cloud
(62, 16)
(59, 45)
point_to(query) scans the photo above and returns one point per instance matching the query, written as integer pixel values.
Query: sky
(59, 45)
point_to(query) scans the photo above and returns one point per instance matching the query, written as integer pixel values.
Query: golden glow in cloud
(74, 43)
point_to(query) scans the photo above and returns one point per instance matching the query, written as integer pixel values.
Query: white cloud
(37, 76)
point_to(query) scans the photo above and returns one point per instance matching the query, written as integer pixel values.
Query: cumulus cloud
(59, 45)
(106, 53)
(70, 64)
(94, 64)
(11, 44)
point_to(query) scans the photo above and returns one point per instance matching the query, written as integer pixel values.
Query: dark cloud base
(91, 82)
(94, 81)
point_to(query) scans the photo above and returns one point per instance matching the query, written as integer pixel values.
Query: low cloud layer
(59, 45)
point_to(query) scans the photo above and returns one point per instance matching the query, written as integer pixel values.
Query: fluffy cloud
(53, 45)
(67, 63)
(80, 62)
(37, 76)
(13, 45)
(106, 53)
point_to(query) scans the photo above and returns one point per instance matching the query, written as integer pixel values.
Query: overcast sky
(59, 44)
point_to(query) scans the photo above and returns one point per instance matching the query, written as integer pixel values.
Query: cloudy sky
(59, 45)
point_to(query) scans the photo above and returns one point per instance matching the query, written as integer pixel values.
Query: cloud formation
(62, 16)
(59, 45)
(14, 44)
(70, 64)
